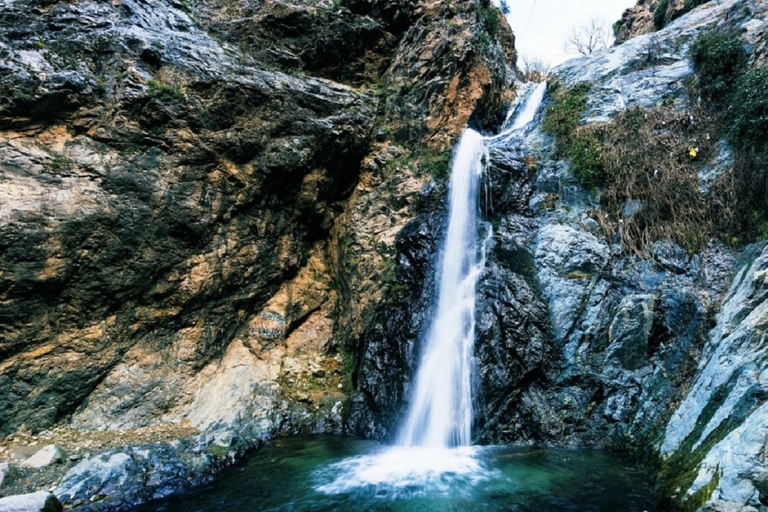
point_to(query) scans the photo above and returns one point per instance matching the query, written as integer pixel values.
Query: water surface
(338, 474)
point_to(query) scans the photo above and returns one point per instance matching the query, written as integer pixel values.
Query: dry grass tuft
(644, 163)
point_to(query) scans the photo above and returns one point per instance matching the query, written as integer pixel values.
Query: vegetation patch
(644, 163)
(164, 92)
(660, 14)
(587, 161)
(490, 17)
(748, 112)
(738, 99)
(563, 114)
(660, 18)
(719, 59)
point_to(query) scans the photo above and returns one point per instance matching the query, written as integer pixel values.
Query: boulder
(42, 501)
(45, 456)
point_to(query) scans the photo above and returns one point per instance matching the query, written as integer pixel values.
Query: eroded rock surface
(658, 353)
(201, 207)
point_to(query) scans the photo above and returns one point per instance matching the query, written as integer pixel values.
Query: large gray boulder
(45, 456)
(42, 501)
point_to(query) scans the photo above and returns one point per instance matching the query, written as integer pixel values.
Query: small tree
(586, 39)
(535, 69)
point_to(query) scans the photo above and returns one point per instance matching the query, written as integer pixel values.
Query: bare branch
(586, 39)
(535, 69)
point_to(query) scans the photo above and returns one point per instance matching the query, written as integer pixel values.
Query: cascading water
(440, 414)
(433, 445)
(433, 468)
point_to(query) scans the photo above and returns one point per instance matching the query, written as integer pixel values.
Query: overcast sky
(540, 26)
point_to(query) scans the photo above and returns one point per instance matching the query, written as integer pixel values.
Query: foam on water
(398, 470)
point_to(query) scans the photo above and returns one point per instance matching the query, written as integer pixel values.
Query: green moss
(563, 115)
(217, 450)
(682, 467)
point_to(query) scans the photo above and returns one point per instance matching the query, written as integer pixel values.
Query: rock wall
(204, 210)
(657, 353)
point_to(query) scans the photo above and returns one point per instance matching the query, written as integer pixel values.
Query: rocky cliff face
(203, 210)
(219, 220)
(654, 351)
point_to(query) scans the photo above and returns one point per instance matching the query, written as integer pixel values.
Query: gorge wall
(200, 211)
(218, 224)
(653, 348)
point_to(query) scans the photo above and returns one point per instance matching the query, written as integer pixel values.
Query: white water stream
(440, 414)
(433, 445)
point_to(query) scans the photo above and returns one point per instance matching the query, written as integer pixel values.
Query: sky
(540, 26)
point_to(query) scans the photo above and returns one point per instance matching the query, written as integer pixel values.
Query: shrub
(587, 162)
(689, 5)
(739, 99)
(164, 92)
(660, 14)
(719, 59)
(748, 115)
(490, 17)
(563, 114)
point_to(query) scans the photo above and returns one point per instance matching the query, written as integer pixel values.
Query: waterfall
(433, 445)
(440, 413)
(524, 111)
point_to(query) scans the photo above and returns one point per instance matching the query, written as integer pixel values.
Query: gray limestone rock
(45, 456)
(42, 501)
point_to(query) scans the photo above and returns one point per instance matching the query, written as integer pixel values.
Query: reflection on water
(327, 473)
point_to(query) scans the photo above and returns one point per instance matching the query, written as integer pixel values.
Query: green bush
(164, 92)
(491, 18)
(660, 14)
(748, 114)
(689, 5)
(563, 115)
(587, 163)
(719, 59)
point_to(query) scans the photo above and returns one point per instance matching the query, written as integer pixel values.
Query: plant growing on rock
(719, 59)
(164, 92)
(563, 115)
(739, 99)
(491, 18)
(749, 111)
(646, 152)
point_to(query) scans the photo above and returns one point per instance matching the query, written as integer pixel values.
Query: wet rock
(508, 311)
(50, 454)
(42, 501)
(168, 178)
(134, 475)
(723, 416)
(568, 263)
(629, 332)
